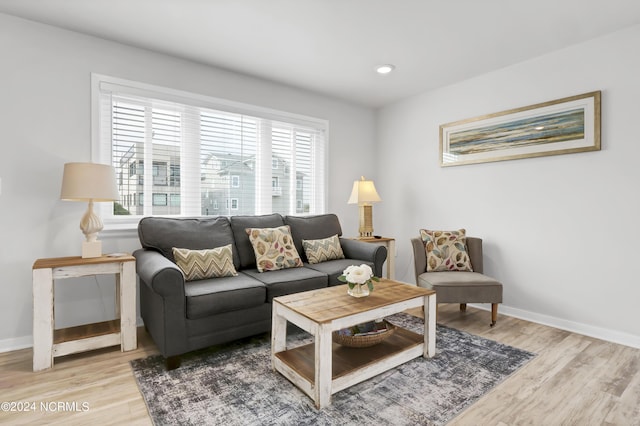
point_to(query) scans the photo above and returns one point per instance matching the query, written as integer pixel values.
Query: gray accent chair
(185, 316)
(458, 286)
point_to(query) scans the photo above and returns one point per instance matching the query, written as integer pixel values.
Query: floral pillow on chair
(446, 250)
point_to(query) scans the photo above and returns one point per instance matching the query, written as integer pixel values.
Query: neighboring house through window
(204, 152)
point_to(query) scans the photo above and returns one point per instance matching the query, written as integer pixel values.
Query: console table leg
(127, 299)
(42, 319)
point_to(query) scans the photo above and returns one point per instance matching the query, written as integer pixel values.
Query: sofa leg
(494, 314)
(463, 307)
(172, 362)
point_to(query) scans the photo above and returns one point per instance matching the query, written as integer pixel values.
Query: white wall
(45, 122)
(560, 232)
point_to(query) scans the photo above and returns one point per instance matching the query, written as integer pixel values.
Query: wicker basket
(365, 340)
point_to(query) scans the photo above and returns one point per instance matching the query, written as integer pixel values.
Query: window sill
(121, 228)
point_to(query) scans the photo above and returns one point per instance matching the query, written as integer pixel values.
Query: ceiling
(332, 46)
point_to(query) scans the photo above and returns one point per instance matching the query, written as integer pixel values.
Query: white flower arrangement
(358, 275)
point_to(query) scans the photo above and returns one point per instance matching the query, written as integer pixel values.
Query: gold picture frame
(562, 126)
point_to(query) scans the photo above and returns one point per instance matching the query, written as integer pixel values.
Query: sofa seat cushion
(334, 268)
(462, 287)
(287, 281)
(218, 295)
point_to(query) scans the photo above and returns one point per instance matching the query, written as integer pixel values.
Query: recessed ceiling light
(385, 69)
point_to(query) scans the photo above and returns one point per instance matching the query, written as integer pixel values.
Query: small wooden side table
(390, 244)
(48, 342)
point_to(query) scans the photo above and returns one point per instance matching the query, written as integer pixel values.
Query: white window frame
(101, 152)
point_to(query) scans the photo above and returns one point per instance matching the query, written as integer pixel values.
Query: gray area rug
(234, 385)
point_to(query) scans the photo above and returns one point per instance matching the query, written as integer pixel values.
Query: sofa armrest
(159, 273)
(374, 253)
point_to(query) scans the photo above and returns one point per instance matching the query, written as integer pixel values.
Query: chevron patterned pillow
(319, 251)
(203, 264)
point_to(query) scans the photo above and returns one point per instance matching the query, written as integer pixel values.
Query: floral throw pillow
(319, 251)
(446, 250)
(274, 248)
(203, 264)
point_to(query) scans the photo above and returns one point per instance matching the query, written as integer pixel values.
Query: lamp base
(366, 220)
(91, 249)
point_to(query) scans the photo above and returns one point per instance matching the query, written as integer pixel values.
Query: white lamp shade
(89, 182)
(364, 191)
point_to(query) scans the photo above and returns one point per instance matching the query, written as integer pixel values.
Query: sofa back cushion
(239, 224)
(312, 228)
(163, 233)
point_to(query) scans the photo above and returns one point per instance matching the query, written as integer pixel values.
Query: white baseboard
(17, 343)
(613, 336)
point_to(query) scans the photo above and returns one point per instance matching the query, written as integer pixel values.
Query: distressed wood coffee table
(323, 368)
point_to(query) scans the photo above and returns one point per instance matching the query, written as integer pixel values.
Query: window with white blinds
(180, 154)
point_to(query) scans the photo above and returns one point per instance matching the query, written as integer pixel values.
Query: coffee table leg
(278, 331)
(429, 326)
(323, 366)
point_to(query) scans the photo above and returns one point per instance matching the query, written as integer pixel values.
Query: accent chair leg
(463, 307)
(172, 362)
(494, 314)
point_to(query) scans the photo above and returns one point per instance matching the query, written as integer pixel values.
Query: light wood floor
(574, 380)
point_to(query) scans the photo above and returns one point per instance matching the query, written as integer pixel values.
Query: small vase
(358, 290)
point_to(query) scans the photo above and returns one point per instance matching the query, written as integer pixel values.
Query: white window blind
(180, 154)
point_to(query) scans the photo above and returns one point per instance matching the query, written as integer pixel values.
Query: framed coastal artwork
(562, 126)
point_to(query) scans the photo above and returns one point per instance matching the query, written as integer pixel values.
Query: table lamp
(89, 182)
(363, 194)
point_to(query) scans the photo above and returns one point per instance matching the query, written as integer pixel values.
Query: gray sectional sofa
(183, 316)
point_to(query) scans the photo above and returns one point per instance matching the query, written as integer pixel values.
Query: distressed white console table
(48, 342)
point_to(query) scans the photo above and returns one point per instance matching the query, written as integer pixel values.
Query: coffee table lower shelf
(350, 365)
